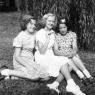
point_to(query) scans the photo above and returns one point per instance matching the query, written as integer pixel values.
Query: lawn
(9, 28)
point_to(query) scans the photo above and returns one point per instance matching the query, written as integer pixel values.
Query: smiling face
(63, 29)
(31, 26)
(50, 22)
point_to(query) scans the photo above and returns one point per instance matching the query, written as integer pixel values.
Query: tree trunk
(7, 3)
(18, 4)
(26, 6)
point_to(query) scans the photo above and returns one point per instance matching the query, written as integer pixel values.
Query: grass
(9, 28)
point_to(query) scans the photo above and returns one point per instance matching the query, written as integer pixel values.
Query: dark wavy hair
(24, 21)
(62, 21)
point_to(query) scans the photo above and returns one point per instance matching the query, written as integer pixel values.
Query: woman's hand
(43, 46)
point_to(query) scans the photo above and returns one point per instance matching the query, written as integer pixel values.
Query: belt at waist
(28, 49)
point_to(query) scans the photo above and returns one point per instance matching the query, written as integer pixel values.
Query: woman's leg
(17, 73)
(59, 79)
(71, 85)
(78, 62)
(24, 74)
(56, 83)
(74, 67)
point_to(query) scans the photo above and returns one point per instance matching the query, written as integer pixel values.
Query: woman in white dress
(56, 66)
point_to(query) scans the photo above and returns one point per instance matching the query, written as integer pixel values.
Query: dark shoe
(3, 67)
(2, 77)
(90, 80)
(85, 81)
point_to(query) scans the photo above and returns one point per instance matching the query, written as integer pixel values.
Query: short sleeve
(17, 42)
(73, 35)
(40, 36)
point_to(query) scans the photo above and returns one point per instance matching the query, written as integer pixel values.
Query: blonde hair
(45, 17)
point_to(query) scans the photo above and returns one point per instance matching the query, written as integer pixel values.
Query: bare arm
(74, 46)
(56, 50)
(74, 49)
(43, 47)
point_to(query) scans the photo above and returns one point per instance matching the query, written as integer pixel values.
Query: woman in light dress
(23, 58)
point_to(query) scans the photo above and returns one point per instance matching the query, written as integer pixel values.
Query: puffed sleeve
(74, 36)
(17, 42)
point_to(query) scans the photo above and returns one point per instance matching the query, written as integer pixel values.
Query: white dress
(48, 60)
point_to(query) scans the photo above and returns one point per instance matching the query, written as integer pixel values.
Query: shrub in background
(80, 14)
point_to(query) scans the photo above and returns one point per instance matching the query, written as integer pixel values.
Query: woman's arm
(74, 45)
(43, 47)
(56, 50)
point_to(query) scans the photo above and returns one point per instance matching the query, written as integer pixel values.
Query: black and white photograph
(47, 47)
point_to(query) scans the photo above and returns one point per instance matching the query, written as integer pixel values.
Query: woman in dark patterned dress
(66, 45)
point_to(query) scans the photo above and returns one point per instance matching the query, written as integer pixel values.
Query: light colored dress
(48, 60)
(27, 43)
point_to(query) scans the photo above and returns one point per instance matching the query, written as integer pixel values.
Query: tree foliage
(80, 14)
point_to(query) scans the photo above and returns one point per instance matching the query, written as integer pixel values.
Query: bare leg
(81, 66)
(71, 85)
(59, 79)
(63, 72)
(78, 62)
(70, 67)
(74, 67)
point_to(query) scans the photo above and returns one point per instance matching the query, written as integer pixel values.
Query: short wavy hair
(24, 21)
(44, 18)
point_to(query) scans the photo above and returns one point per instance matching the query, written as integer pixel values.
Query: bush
(80, 14)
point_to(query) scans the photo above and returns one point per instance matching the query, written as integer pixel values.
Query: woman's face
(63, 29)
(50, 22)
(31, 26)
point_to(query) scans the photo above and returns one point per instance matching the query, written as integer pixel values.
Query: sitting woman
(56, 66)
(23, 58)
(66, 45)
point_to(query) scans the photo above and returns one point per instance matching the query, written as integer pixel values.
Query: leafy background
(80, 14)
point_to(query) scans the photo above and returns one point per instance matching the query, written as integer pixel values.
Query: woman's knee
(65, 68)
(74, 67)
(65, 71)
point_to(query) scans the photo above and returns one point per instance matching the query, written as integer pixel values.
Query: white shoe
(5, 72)
(81, 93)
(14, 78)
(74, 89)
(7, 77)
(53, 87)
